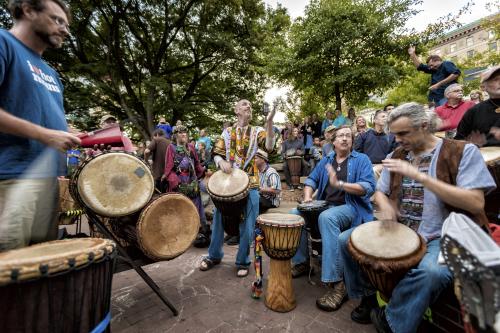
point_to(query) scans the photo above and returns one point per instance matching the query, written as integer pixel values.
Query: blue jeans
(331, 223)
(419, 288)
(215, 251)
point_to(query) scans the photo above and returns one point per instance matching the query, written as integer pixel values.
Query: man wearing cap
(481, 123)
(107, 121)
(270, 183)
(328, 144)
(236, 148)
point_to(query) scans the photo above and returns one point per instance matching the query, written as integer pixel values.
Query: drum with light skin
(281, 240)
(229, 193)
(386, 251)
(59, 286)
(112, 184)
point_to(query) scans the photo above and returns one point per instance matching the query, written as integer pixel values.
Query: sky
(431, 10)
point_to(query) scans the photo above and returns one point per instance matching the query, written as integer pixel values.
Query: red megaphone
(107, 136)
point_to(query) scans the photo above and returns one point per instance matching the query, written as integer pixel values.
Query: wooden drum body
(281, 240)
(163, 230)
(229, 193)
(59, 286)
(491, 157)
(386, 251)
(113, 184)
(295, 167)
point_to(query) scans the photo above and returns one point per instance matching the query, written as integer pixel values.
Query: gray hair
(451, 87)
(417, 115)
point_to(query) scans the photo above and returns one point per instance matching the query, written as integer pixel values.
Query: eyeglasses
(60, 21)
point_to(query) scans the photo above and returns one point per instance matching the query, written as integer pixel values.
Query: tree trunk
(338, 97)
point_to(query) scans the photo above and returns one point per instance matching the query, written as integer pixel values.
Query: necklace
(339, 165)
(497, 110)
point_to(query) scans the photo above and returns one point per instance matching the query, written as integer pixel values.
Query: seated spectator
(316, 153)
(359, 126)
(453, 110)
(327, 146)
(269, 184)
(291, 147)
(167, 129)
(481, 122)
(476, 96)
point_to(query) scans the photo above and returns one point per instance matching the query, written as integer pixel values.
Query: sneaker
(333, 299)
(379, 321)
(300, 187)
(300, 269)
(292, 189)
(361, 314)
(234, 240)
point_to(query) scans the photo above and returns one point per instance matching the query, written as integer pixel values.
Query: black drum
(59, 286)
(310, 211)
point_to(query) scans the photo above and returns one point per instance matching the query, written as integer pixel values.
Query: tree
(346, 48)
(188, 60)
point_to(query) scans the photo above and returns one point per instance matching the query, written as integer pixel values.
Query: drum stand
(123, 254)
(314, 258)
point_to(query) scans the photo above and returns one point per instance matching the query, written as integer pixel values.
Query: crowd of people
(413, 176)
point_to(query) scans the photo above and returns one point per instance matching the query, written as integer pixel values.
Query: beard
(53, 41)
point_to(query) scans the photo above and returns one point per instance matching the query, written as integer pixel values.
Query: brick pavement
(216, 301)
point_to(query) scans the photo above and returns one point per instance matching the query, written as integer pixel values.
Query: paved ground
(216, 301)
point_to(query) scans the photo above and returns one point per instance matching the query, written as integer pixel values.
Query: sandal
(333, 299)
(242, 271)
(207, 263)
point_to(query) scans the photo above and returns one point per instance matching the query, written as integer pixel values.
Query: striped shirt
(270, 178)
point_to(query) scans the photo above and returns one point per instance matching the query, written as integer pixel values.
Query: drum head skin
(491, 155)
(281, 220)
(227, 185)
(313, 205)
(115, 184)
(385, 240)
(168, 226)
(54, 256)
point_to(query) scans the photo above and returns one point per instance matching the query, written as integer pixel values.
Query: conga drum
(112, 184)
(229, 193)
(59, 286)
(491, 156)
(281, 240)
(163, 230)
(310, 212)
(386, 251)
(295, 167)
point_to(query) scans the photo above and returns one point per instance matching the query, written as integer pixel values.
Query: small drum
(59, 286)
(386, 251)
(310, 211)
(295, 167)
(229, 192)
(112, 184)
(281, 240)
(491, 156)
(163, 230)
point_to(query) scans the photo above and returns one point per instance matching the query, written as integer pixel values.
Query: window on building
(453, 47)
(469, 41)
(493, 46)
(470, 53)
(491, 34)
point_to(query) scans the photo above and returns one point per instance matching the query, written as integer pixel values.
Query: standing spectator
(306, 131)
(327, 122)
(481, 122)
(389, 107)
(285, 132)
(291, 147)
(476, 96)
(316, 126)
(141, 148)
(359, 125)
(351, 116)
(340, 120)
(453, 110)
(177, 123)
(203, 154)
(205, 139)
(157, 149)
(269, 183)
(443, 73)
(165, 126)
(33, 129)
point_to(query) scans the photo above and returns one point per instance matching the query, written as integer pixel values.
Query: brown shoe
(333, 299)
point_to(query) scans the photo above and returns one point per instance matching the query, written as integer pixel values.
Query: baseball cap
(485, 76)
(262, 154)
(107, 117)
(330, 128)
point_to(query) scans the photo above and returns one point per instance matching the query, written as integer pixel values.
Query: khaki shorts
(28, 209)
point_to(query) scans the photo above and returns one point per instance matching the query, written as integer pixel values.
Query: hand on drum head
(387, 212)
(225, 166)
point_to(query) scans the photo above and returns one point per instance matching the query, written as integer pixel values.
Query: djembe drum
(59, 286)
(163, 230)
(386, 251)
(295, 167)
(229, 193)
(281, 240)
(310, 212)
(112, 184)
(491, 156)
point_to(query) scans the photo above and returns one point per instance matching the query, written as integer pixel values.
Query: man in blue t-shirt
(443, 73)
(33, 128)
